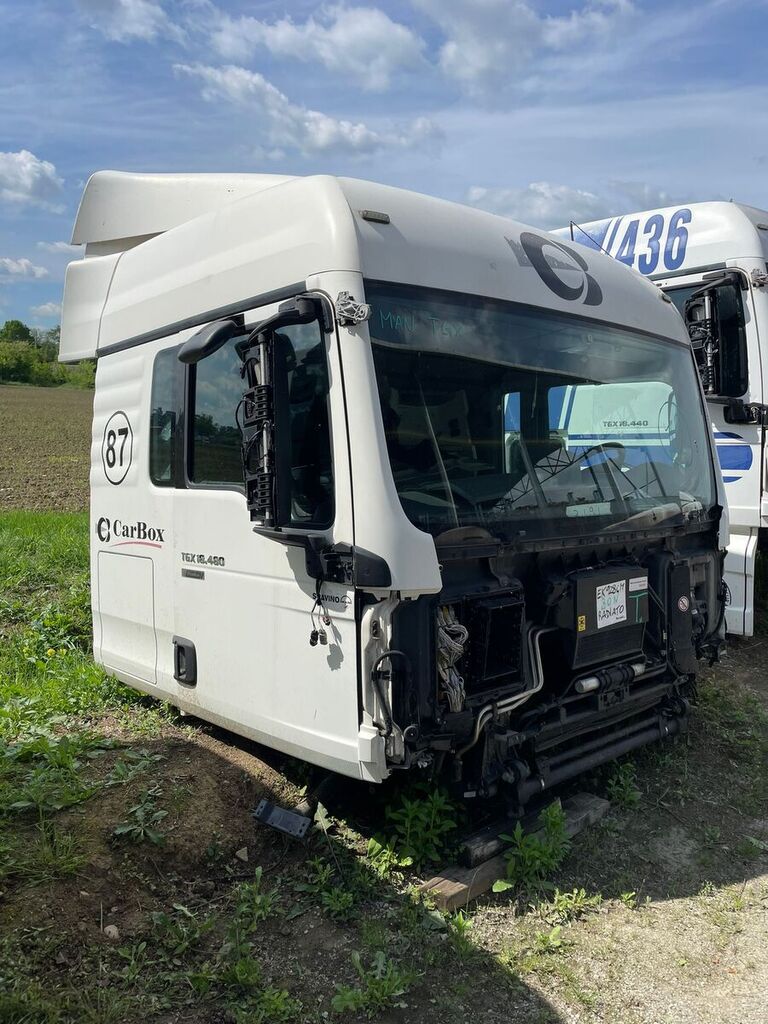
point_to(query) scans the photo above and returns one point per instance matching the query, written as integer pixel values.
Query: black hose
(388, 721)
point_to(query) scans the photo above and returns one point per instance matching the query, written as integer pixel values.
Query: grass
(86, 776)
(113, 814)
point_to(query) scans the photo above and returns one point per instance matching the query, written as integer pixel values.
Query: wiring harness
(451, 641)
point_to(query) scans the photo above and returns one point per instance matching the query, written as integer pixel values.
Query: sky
(541, 111)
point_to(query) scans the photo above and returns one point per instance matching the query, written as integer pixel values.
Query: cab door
(739, 444)
(245, 602)
(135, 412)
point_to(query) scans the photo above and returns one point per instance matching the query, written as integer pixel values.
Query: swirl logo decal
(562, 269)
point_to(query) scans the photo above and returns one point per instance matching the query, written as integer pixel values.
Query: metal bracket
(349, 311)
(759, 278)
(281, 819)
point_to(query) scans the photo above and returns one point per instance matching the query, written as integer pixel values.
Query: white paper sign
(611, 603)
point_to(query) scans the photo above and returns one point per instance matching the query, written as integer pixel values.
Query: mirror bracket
(342, 563)
(738, 411)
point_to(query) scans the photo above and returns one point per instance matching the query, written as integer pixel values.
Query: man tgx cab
(389, 483)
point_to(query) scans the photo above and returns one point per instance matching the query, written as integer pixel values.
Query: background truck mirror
(714, 317)
(208, 340)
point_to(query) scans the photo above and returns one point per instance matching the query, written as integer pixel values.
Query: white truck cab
(389, 483)
(711, 259)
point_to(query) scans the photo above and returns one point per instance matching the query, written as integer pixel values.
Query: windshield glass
(533, 423)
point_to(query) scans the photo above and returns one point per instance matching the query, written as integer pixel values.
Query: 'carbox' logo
(563, 270)
(129, 533)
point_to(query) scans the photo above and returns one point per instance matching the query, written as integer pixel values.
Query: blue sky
(541, 111)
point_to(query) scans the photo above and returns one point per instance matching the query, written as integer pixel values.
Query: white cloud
(641, 196)
(11, 269)
(363, 43)
(47, 310)
(488, 44)
(60, 248)
(540, 203)
(548, 205)
(289, 126)
(26, 179)
(598, 18)
(126, 20)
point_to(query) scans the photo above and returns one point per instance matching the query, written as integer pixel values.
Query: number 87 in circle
(117, 447)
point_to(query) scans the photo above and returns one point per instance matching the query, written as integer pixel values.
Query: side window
(311, 463)
(217, 388)
(162, 422)
(215, 448)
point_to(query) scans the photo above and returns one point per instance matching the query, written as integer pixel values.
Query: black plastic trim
(687, 272)
(184, 661)
(371, 571)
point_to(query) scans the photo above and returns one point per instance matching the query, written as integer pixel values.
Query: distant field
(45, 436)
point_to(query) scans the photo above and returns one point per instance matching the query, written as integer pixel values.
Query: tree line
(29, 355)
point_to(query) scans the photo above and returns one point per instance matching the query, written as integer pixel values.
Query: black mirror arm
(301, 310)
(208, 340)
(718, 280)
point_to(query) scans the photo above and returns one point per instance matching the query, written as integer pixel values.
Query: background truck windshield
(533, 423)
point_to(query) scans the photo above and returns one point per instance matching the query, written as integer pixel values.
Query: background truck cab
(710, 259)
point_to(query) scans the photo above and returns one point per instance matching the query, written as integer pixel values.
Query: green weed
(339, 903)
(382, 985)
(143, 819)
(570, 906)
(270, 1006)
(181, 930)
(423, 826)
(252, 903)
(384, 858)
(460, 926)
(532, 858)
(622, 786)
(550, 942)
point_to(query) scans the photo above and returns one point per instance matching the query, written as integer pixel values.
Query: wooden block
(583, 810)
(486, 842)
(456, 885)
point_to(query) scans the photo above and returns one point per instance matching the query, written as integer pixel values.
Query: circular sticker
(117, 447)
(683, 604)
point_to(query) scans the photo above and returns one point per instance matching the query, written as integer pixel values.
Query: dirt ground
(680, 935)
(44, 447)
(694, 949)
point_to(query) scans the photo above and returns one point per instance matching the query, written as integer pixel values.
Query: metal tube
(510, 703)
(630, 741)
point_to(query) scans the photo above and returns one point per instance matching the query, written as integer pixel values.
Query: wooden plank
(456, 886)
(487, 842)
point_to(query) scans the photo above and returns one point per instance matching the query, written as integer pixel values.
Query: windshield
(533, 423)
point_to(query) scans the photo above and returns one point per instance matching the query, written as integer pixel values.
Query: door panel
(245, 599)
(126, 614)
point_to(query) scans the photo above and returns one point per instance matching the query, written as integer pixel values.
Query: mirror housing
(715, 324)
(209, 339)
(267, 358)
